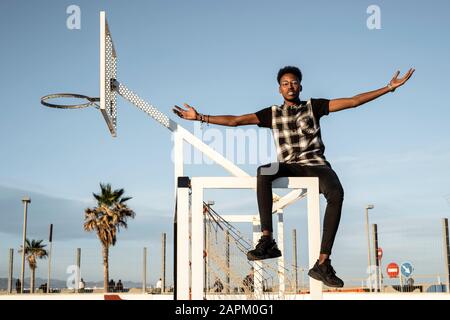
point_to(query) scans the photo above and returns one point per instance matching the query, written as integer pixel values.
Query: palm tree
(106, 219)
(34, 250)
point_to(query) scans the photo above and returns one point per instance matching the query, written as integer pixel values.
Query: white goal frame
(190, 273)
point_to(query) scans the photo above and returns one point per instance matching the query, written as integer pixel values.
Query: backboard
(108, 74)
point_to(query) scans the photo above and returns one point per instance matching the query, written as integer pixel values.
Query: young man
(296, 130)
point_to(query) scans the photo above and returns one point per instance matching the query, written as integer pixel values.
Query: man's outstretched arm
(232, 121)
(345, 103)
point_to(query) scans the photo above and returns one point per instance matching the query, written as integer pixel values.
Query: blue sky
(222, 57)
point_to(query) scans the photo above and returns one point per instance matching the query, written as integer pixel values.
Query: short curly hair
(289, 69)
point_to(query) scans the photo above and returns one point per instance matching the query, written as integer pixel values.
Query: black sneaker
(265, 249)
(324, 272)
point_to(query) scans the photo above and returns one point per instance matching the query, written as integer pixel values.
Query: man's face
(290, 87)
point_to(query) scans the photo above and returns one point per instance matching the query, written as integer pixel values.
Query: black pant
(329, 186)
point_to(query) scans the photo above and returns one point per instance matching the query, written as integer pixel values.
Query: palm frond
(123, 200)
(34, 250)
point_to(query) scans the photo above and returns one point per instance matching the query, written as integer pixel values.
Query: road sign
(380, 253)
(392, 270)
(406, 269)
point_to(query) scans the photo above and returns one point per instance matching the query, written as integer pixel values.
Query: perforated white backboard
(108, 74)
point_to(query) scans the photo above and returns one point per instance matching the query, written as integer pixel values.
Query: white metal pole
(281, 266)
(50, 240)
(11, 269)
(178, 157)
(227, 256)
(163, 262)
(181, 273)
(375, 250)
(401, 279)
(369, 262)
(144, 270)
(206, 249)
(77, 285)
(294, 257)
(26, 201)
(314, 234)
(257, 265)
(446, 249)
(302, 278)
(197, 240)
(183, 242)
(380, 275)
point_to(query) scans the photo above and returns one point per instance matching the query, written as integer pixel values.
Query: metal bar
(281, 269)
(446, 248)
(294, 257)
(369, 257)
(50, 240)
(227, 255)
(149, 109)
(77, 285)
(375, 250)
(182, 240)
(197, 237)
(163, 263)
(313, 206)
(10, 271)
(175, 257)
(250, 182)
(206, 250)
(25, 201)
(258, 271)
(144, 270)
(239, 218)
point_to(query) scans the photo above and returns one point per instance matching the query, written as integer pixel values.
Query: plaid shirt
(296, 131)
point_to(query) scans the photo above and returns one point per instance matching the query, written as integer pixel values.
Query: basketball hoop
(106, 102)
(90, 101)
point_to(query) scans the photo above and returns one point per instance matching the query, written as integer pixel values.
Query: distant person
(159, 286)
(296, 129)
(18, 286)
(218, 285)
(111, 285)
(81, 286)
(249, 281)
(119, 286)
(43, 287)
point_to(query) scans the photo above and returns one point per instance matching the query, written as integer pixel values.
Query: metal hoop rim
(92, 101)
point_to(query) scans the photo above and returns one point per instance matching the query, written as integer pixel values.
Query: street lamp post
(370, 206)
(25, 201)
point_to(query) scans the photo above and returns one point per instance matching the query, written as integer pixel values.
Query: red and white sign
(392, 270)
(380, 253)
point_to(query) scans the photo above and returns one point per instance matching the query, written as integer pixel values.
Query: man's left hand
(396, 82)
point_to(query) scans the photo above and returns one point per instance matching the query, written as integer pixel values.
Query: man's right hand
(189, 114)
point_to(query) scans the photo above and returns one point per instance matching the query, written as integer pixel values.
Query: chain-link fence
(421, 268)
(82, 270)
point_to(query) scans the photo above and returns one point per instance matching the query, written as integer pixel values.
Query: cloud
(67, 217)
(381, 161)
